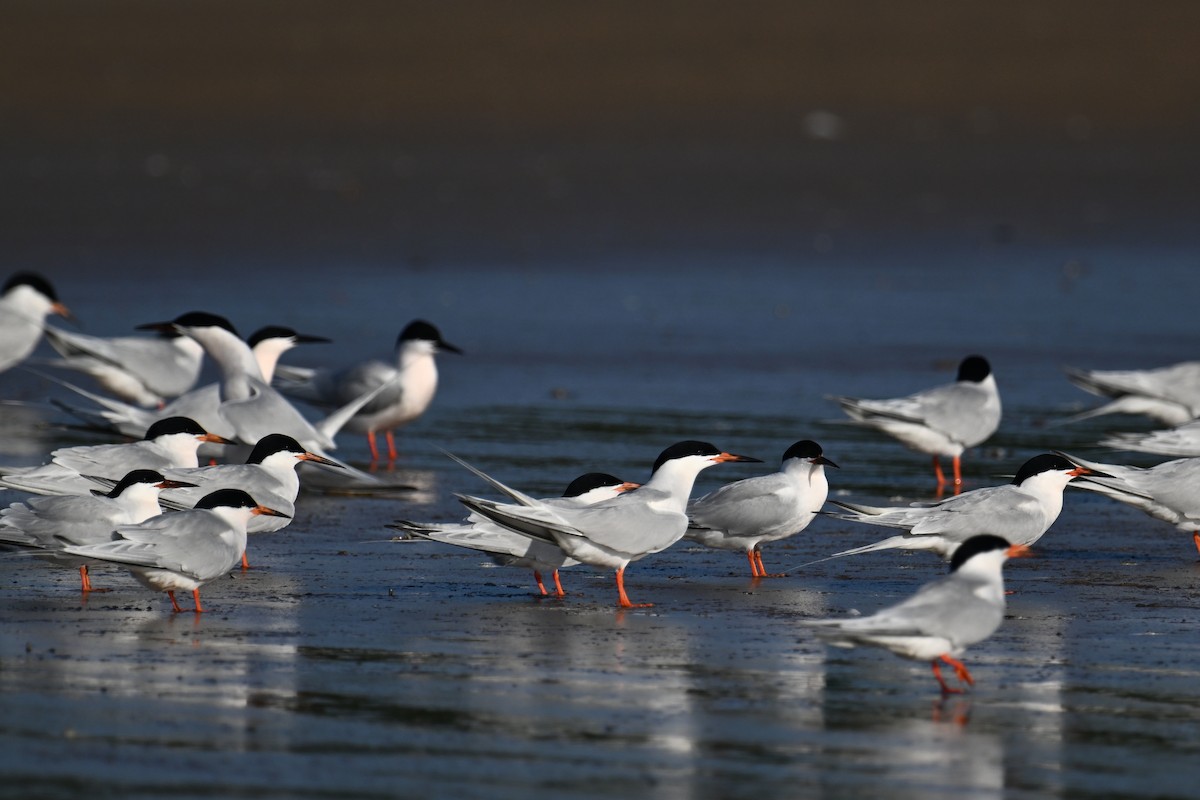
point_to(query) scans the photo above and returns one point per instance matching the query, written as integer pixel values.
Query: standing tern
(144, 370)
(746, 514)
(1169, 491)
(171, 442)
(1021, 511)
(612, 533)
(944, 617)
(185, 549)
(1170, 395)
(409, 385)
(511, 549)
(25, 301)
(942, 421)
(46, 524)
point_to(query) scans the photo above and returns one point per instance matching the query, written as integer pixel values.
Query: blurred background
(404, 134)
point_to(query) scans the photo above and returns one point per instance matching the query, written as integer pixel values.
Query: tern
(942, 421)
(183, 550)
(615, 532)
(511, 549)
(1169, 491)
(172, 442)
(1181, 441)
(147, 371)
(1170, 395)
(746, 514)
(409, 385)
(48, 523)
(25, 301)
(1021, 511)
(944, 617)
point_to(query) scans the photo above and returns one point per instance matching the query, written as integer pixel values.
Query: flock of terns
(150, 507)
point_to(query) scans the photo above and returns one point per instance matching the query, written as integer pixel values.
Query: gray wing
(748, 506)
(54, 522)
(191, 546)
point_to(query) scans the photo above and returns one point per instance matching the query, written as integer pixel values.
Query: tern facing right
(942, 421)
(615, 532)
(182, 550)
(25, 301)
(1021, 511)
(944, 617)
(510, 549)
(746, 514)
(1169, 491)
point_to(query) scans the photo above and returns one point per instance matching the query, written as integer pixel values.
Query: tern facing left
(1021, 511)
(1170, 395)
(185, 549)
(748, 513)
(942, 421)
(944, 617)
(615, 532)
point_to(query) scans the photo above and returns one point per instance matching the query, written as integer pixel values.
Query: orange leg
(537, 576)
(960, 669)
(762, 568)
(174, 603)
(196, 598)
(245, 562)
(1196, 539)
(391, 443)
(85, 581)
(371, 444)
(937, 472)
(753, 564)
(623, 598)
(558, 589)
(937, 673)
(957, 471)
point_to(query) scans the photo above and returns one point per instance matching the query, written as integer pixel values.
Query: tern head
(282, 337)
(275, 443)
(144, 477)
(595, 482)
(191, 321)
(1049, 463)
(36, 287)
(809, 451)
(989, 547)
(421, 331)
(172, 426)
(698, 450)
(235, 499)
(974, 369)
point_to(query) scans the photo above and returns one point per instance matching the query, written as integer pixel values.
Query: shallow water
(345, 664)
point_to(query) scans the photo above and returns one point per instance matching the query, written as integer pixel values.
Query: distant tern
(942, 421)
(943, 618)
(511, 549)
(410, 383)
(612, 533)
(25, 301)
(169, 443)
(1169, 491)
(144, 370)
(746, 514)
(182, 550)
(1021, 511)
(1170, 395)
(46, 524)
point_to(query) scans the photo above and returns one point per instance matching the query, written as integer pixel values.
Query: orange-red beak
(316, 459)
(1019, 551)
(215, 439)
(727, 457)
(627, 486)
(270, 512)
(1075, 473)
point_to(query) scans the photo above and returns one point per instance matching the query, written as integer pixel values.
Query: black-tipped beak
(447, 347)
(269, 512)
(213, 438)
(731, 457)
(161, 327)
(63, 311)
(1080, 471)
(316, 459)
(825, 461)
